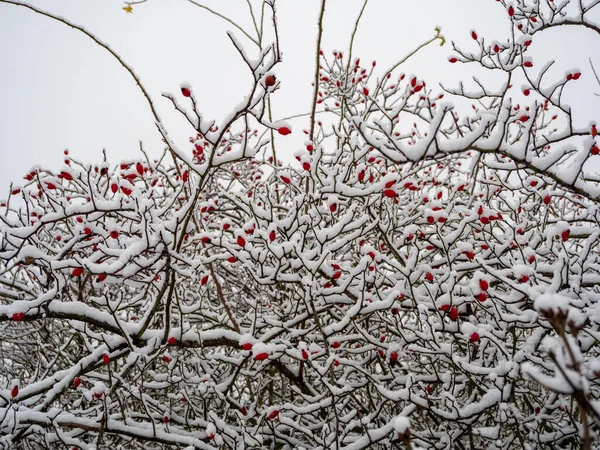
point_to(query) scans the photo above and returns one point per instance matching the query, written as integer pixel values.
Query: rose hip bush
(422, 277)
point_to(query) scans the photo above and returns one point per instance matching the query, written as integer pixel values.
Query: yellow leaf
(128, 9)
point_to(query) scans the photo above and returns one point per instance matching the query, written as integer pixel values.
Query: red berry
(285, 179)
(445, 308)
(232, 259)
(335, 344)
(261, 356)
(272, 235)
(172, 340)
(166, 359)
(595, 150)
(247, 346)
(270, 80)
(76, 382)
(15, 391)
(482, 297)
(453, 314)
(273, 414)
(241, 241)
(546, 199)
(452, 59)
(284, 131)
(474, 337)
(511, 11)
(565, 235)
(365, 91)
(243, 410)
(474, 35)
(106, 358)
(528, 64)
(483, 285)
(524, 279)
(306, 166)
(594, 131)
(186, 92)
(204, 280)
(114, 188)
(304, 354)
(429, 276)
(390, 193)
(185, 176)
(139, 168)
(114, 234)
(77, 271)
(165, 419)
(17, 317)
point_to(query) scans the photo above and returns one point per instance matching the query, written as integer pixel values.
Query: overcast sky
(59, 90)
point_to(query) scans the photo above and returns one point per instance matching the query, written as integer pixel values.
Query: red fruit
(390, 193)
(139, 168)
(49, 185)
(15, 391)
(524, 279)
(481, 297)
(247, 346)
(531, 259)
(528, 64)
(166, 359)
(429, 276)
(76, 382)
(126, 190)
(365, 91)
(67, 176)
(537, 410)
(306, 166)
(452, 59)
(98, 395)
(106, 358)
(335, 344)
(445, 308)
(594, 131)
(186, 92)
(114, 188)
(336, 275)
(395, 311)
(17, 317)
(114, 234)
(483, 285)
(270, 80)
(511, 11)
(244, 411)
(546, 200)
(565, 235)
(261, 356)
(393, 358)
(332, 207)
(285, 179)
(526, 92)
(453, 314)
(304, 354)
(484, 220)
(165, 419)
(272, 235)
(241, 241)
(470, 255)
(595, 150)
(430, 219)
(429, 389)
(361, 175)
(204, 280)
(524, 118)
(185, 176)
(172, 340)
(474, 35)
(232, 259)
(474, 337)
(205, 240)
(77, 271)
(273, 414)
(284, 131)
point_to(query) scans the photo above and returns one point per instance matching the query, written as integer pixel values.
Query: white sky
(59, 90)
